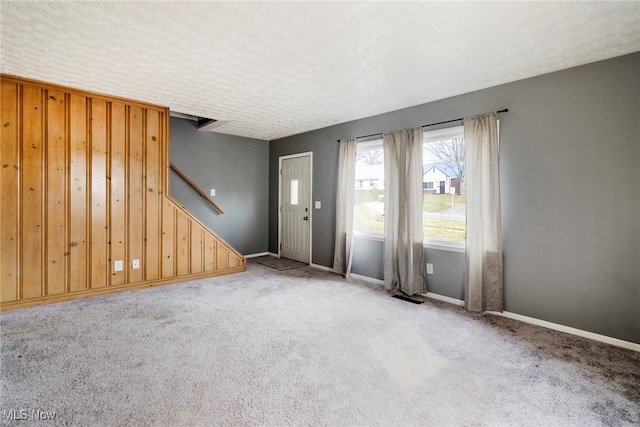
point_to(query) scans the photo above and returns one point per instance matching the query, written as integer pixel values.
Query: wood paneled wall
(84, 181)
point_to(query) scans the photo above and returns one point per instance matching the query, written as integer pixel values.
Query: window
(444, 200)
(444, 196)
(294, 192)
(368, 215)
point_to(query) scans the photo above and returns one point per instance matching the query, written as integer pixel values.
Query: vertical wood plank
(78, 210)
(117, 238)
(222, 257)
(99, 255)
(183, 244)
(196, 248)
(83, 183)
(10, 190)
(32, 235)
(168, 239)
(153, 193)
(233, 260)
(56, 187)
(209, 253)
(136, 190)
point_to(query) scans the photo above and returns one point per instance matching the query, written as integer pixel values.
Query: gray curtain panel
(483, 277)
(345, 196)
(403, 231)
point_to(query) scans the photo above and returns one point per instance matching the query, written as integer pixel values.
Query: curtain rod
(506, 110)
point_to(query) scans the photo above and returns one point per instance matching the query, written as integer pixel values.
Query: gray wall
(570, 176)
(238, 170)
(367, 258)
(325, 164)
(448, 273)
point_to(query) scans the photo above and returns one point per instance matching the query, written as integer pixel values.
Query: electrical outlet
(213, 192)
(429, 268)
(135, 264)
(117, 265)
(318, 204)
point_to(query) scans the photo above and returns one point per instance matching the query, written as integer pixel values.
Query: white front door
(295, 207)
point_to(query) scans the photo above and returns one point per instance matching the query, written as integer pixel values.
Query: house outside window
(444, 196)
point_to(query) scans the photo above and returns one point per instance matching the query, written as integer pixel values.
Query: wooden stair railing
(195, 187)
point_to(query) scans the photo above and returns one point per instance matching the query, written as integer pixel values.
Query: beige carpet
(302, 347)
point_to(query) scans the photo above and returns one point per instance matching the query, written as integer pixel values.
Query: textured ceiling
(278, 69)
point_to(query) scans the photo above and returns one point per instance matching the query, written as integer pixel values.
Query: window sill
(439, 245)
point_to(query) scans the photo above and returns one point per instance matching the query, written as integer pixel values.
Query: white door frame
(280, 159)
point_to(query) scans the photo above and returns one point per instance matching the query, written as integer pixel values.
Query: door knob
(306, 218)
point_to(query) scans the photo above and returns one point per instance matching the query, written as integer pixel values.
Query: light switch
(318, 204)
(429, 268)
(213, 192)
(135, 264)
(117, 265)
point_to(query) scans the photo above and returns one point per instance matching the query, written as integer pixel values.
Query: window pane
(294, 192)
(443, 183)
(369, 197)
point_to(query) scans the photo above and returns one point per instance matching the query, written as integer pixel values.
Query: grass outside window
(367, 216)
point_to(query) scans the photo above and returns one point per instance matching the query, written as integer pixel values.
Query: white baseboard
(256, 255)
(439, 297)
(367, 279)
(569, 330)
(322, 267)
(549, 325)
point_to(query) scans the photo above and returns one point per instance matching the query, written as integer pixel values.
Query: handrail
(195, 187)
